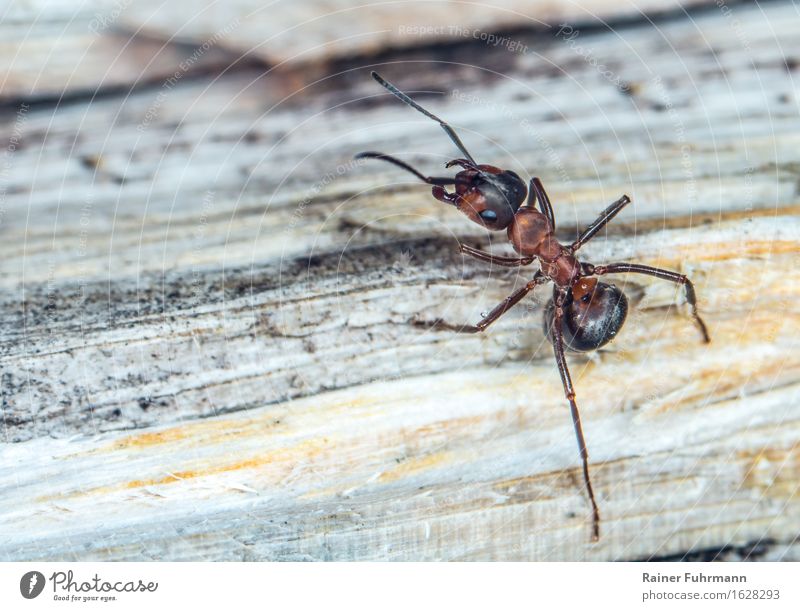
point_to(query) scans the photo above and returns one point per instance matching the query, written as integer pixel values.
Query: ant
(583, 314)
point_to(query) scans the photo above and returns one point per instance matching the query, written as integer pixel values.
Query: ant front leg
(495, 259)
(559, 298)
(600, 222)
(500, 309)
(664, 274)
(536, 192)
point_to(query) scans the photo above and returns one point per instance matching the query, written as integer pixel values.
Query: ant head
(488, 195)
(593, 315)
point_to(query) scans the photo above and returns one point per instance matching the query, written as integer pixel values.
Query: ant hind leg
(664, 274)
(569, 393)
(500, 309)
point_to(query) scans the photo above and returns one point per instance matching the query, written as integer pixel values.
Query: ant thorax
(531, 235)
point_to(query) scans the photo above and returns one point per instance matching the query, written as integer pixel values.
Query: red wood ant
(583, 314)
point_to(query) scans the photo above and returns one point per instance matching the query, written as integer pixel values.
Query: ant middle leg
(495, 259)
(500, 309)
(664, 274)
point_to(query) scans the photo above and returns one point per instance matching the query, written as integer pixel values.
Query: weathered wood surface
(223, 279)
(56, 51)
(287, 32)
(59, 49)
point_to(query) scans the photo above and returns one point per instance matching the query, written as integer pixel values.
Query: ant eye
(489, 215)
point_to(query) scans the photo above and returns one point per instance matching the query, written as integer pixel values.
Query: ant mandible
(583, 314)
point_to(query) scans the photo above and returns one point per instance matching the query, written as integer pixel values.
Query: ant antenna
(403, 97)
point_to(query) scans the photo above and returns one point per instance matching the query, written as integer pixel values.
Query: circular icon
(31, 584)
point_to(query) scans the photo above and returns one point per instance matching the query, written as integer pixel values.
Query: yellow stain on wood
(206, 432)
(721, 378)
(414, 465)
(703, 218)
(217, 431)
(678, 333)
(774, 472)
(285, 457)
(444, 426)
(145, 440)
(708, 252)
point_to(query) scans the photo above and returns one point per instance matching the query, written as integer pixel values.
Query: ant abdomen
(593, 315)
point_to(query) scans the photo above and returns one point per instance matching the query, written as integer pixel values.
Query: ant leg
(635, 268)
(569, 392)
(431, 180)
(600, 222)
(494, 259)
(500, 309)
(536, 192)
